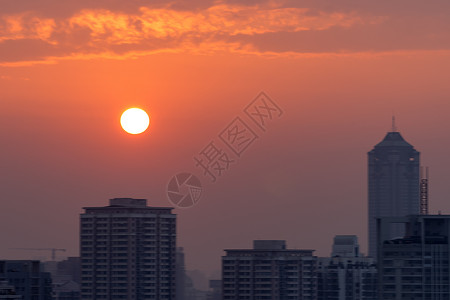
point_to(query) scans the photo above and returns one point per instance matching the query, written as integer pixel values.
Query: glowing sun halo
(134, 120)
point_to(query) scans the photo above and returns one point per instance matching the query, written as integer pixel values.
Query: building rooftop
(126, 205)
(393, 139)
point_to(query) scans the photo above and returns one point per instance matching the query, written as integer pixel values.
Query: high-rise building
(28, 278)
(269, 271)
(394, 191)
(416, 266)
(347, 275)
(127, 251)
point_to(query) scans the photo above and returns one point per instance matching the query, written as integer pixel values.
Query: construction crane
(53, 250)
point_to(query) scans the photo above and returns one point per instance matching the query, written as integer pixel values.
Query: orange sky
(339, 72)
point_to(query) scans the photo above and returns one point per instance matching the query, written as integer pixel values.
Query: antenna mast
(394, 127)
(424, 191)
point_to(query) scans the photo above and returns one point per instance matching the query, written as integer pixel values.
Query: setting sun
(134, 120)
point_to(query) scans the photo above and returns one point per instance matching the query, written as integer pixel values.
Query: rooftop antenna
(424, 191)
(394, 127)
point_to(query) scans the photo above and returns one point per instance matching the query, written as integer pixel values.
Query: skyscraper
(127, 251)
(394, 190)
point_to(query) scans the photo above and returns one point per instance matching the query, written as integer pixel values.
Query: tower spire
(394, 126)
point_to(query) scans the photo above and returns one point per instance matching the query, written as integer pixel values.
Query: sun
(134, 120)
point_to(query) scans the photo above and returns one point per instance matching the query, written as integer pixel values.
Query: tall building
(127, 251)
(347, 275)
(394, 191)
(28, 278)
(415, 266)
(269, 271)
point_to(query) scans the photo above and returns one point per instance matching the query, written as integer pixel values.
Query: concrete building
(269, 271)
(347, 275)
(394, 191)
(127, 251)
(28, 279)
(415, 266)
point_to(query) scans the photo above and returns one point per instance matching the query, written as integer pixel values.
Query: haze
(338, 69)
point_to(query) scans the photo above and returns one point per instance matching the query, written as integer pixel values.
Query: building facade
(28, 279)
(127, 251)
(394, 191)
(415, 266)
(269, 271)
(8, 291)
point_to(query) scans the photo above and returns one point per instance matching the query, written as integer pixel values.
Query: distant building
(269, 271)
(27, 278)
(394, 174)
(180, 275)
(415, 266)
(345, 246)
(70, 267)
(215, 292)
(127, 251)
(8, 291)
(65, 278)
(347, 275)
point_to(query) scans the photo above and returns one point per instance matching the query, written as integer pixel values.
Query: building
(28, 279)
(215, 290)
(127, 251)
(394, 190)
(347, 275)
(180, 274)
(269, 271)
(415, 266)
(345, 246)
(70, 267)
(8, 291)
(65, 278)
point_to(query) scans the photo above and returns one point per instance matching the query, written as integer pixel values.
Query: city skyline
(338, 71)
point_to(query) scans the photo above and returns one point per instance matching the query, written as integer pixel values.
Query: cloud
(103, 33)
(26, 26)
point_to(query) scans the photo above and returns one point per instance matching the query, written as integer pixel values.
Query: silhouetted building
(269, 271)
(415, 266)
(394, 191)
(347, 275)
(127, 251)
(180, 275)
(8, 291)
(27, 278)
